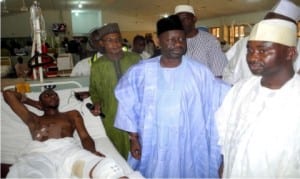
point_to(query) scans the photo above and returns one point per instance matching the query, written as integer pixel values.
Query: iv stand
(39, 35)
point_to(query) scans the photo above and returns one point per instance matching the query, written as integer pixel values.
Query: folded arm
(16, 102)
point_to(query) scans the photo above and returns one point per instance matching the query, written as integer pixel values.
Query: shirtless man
(53, 125)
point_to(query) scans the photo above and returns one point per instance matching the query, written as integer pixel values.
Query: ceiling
(142, 14)
(146, 10)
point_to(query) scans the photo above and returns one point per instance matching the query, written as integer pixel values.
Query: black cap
(170, 23)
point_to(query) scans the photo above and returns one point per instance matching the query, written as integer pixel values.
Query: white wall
(83, 22)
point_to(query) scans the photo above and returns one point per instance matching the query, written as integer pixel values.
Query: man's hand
(96, 110)
(135, 148)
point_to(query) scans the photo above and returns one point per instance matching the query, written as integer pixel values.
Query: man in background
(201, 46)
(138, 46)
(237, 68)
(83, 67)
(21, 68)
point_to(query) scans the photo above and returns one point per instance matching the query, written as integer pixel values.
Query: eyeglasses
(110, 40)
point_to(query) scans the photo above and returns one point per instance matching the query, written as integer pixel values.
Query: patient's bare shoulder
(73, 115)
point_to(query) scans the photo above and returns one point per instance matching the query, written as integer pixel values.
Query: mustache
(255, 63)
(179, 48)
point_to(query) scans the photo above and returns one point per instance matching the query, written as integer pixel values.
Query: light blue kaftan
(174, 118)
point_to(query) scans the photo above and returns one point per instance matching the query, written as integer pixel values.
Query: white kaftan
(83, 67)
(260, 130)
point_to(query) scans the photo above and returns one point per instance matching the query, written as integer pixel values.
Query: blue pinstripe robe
(174, 118)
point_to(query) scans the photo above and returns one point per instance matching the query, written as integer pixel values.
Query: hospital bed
(15, 134)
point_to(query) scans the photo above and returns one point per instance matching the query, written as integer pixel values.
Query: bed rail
(44, 85)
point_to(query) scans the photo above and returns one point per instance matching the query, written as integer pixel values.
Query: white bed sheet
(15, 135)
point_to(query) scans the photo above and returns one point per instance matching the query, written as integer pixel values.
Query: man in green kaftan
(105, 73)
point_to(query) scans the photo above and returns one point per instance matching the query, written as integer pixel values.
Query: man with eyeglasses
(105, 73)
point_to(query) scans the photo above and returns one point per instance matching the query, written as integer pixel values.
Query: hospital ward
(150, 89)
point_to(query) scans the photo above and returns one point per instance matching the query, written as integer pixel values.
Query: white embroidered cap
(275, 30)
(184, 8)
(288, 9)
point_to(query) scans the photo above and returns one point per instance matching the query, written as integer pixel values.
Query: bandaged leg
(89, 165)
(107, 168)
(82, 168)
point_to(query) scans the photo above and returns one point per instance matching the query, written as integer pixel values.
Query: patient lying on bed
(53, 151)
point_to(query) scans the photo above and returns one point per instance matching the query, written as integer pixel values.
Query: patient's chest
(52, 127)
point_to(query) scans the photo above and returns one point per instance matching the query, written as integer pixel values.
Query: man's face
(266, 58)
(188, 21)
(112, 43)
(95, 44)
(173, 44)
(49, 99)
(139, 46)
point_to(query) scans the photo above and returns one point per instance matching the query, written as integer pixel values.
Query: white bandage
(82, 168)
(107, 168)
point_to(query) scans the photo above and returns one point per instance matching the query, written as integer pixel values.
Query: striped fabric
(206, 49)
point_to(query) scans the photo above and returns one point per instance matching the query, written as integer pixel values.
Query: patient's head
(49, 99)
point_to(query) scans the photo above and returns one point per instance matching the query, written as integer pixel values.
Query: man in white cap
(201, 45)
(237, 68)
(259, 120)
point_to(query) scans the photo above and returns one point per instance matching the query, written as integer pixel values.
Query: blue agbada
(172, 110)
